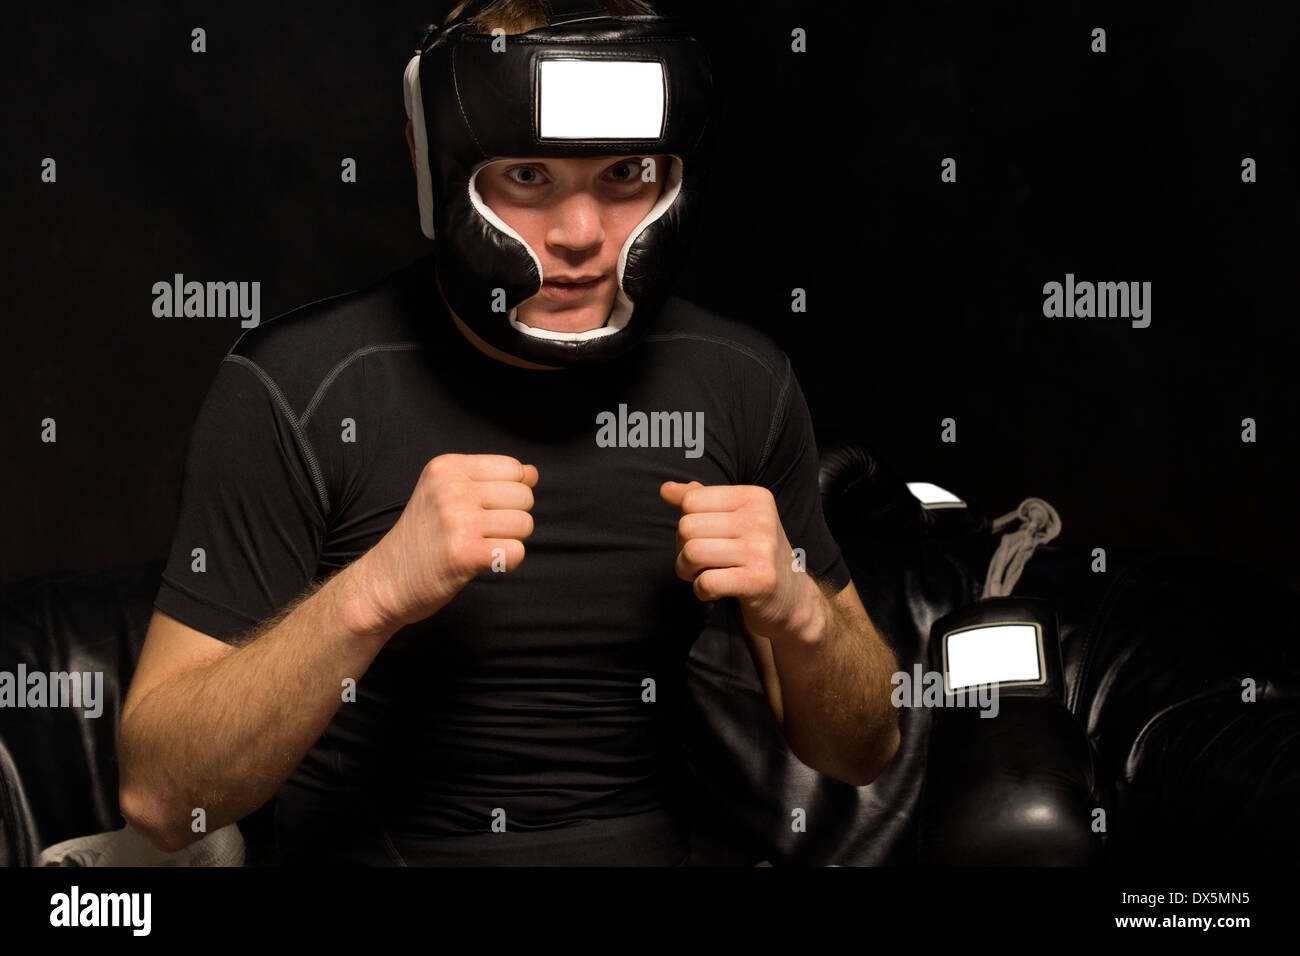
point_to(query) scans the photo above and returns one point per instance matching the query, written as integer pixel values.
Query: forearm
(835, 693)
(224, 737)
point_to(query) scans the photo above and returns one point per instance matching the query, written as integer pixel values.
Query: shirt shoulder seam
(343, 363)
(282, 403)
(778, 420)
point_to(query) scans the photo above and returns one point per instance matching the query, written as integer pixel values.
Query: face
(576, 214)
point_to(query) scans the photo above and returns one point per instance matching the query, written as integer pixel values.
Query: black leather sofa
(1152, 751)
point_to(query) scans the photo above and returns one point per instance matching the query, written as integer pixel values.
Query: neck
(488, 350)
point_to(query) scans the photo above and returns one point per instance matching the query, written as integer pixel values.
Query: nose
(577, 223)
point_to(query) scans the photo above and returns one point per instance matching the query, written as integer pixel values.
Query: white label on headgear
(992, 654)
(600, 99)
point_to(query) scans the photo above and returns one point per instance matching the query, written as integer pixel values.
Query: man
(348, 622)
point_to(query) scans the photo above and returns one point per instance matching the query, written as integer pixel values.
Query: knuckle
(450, 497)
(435, 466)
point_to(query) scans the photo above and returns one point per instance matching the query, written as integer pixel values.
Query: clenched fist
(730, 543)
(463, 508)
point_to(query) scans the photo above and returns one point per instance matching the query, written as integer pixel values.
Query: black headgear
(587, 84)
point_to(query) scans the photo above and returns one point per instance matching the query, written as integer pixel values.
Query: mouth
(567, 290)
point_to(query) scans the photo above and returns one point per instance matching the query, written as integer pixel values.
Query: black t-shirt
(523, 697)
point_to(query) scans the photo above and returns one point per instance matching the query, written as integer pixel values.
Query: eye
(626, 171)
(529, 175)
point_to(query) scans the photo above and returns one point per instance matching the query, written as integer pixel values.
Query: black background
(925, 298)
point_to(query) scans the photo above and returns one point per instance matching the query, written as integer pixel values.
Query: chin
(580, 318)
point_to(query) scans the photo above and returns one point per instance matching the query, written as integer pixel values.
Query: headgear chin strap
(587, 84)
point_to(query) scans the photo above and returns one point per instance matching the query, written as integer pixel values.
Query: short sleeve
(251, 520)
(789, 468)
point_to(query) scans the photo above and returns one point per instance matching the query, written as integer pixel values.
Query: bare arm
(825, 668)
(830, 690)
(214, 726)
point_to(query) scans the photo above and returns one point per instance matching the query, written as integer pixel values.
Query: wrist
(360, 607)
(805, 625)
(811, 626)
